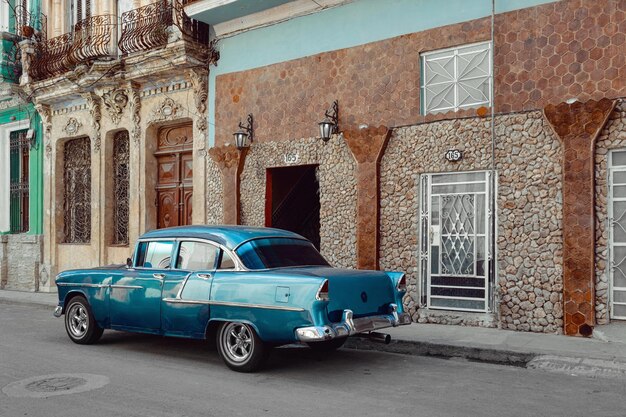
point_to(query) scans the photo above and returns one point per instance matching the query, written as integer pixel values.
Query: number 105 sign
(454, 155)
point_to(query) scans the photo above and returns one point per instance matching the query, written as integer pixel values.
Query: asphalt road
(154, 377)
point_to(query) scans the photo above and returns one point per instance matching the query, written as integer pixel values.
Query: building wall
(142, 115)
(21, 254)
(379, 82)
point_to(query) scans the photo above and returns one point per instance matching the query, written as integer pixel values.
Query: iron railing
(96, 37)
(28, 24)
(19, 149)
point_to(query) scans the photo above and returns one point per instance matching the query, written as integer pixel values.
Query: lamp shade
(327, 128)
(241, 139)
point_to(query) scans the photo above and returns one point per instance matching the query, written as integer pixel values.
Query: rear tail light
(401, 284)
(322, 293)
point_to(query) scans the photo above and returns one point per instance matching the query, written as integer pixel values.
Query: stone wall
(337, 190)
(613, 136)
(529, 245)
(20, 260)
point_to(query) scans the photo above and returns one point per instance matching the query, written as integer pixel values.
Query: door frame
(611, 169)
(491, 238)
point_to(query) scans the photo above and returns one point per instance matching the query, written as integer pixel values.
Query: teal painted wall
(35, 163)
(333, 29)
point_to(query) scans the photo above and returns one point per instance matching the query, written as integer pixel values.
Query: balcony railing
(142, 29)
(29, 24)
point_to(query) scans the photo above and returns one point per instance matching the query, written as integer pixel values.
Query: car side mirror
(129, 263)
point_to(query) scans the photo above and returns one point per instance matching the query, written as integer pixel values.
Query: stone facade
(337, 190)
(613, 136)
(20, 260)
(529, 244)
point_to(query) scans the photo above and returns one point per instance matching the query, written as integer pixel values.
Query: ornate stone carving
(95, 110)
(72, 127)
(115, 101)
(135, 110)
(199, 82)
(166, 111)
(46, 119)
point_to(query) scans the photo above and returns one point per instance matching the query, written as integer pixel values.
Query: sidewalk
(602, 355)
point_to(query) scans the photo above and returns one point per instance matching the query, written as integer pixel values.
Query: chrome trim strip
(80, 284)
(232, 304)
(128, 287)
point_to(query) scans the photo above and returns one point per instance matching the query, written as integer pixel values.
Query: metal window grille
(456, 234)
(77, 191)
(456, 78)
(121, 177)
(19, 151)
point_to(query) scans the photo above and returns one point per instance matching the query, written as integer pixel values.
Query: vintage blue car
(250, 288)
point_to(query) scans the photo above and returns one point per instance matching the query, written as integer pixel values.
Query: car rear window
(278, 253)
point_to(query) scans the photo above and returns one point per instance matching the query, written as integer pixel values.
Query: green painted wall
(28, 112)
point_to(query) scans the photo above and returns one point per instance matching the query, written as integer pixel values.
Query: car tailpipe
(379, 337)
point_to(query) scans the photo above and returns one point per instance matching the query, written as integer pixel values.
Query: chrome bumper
(350, 326)
(58, 311)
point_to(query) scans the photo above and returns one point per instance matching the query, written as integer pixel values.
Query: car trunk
(366, 293)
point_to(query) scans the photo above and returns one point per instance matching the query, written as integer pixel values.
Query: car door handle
(204, 276)
(159, 276)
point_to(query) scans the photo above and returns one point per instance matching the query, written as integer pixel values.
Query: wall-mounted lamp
(245, 135)
(330, 124)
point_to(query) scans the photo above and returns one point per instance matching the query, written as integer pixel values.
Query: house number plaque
(292, 157)
(454, 155)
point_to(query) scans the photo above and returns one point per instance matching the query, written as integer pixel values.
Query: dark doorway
(292, 201)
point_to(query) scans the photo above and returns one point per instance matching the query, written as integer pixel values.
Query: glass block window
(19, 154)
(121, 177)
(77, 191)
(456, 78)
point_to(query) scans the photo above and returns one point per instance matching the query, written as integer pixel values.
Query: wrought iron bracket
(248, 127)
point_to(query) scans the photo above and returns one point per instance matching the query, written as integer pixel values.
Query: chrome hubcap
(78, 320)
(237, 342)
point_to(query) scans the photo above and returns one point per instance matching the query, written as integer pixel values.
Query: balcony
(27, 25)
(105, 37)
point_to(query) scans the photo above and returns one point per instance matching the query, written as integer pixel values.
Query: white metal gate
(617, 233)
(456, 241)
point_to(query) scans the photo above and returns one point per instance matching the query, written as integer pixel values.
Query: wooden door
(174, 176)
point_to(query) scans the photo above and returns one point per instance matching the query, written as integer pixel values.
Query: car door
(135, 301)
(185, 310)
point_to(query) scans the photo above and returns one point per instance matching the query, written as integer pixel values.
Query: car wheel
(328, 345)
(80, 324)
(240, 347)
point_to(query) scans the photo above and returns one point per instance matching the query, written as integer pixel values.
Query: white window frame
(5, 171)
(454, 53)
(4, 16)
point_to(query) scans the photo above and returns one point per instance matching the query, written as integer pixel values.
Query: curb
(29, 303)
(496, 356)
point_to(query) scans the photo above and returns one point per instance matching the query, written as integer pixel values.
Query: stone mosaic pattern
(613, 136)
(338, 189)
(564, 49)
(544, 54)
(528, 159)
(367, 146)
(578, 126)
(215, 193)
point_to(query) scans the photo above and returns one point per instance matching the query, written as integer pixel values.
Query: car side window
(156, 254)
(226, 262)
(197, 256)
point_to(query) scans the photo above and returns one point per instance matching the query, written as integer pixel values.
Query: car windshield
(278, 253)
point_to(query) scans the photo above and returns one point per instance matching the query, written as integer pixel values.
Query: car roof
(229, 236)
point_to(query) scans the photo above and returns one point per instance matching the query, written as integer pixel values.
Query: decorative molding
(199, 81)
(135, 111)
(72, 127)
(168, 110)
(179, 86)
(70, 109)
(115, 101)
(46, 119)
(95, 110)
